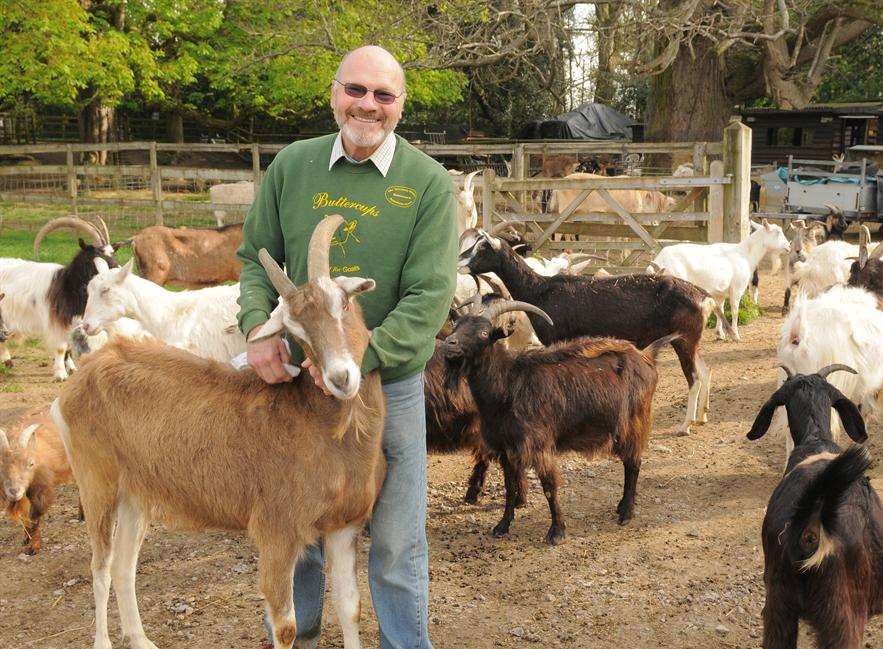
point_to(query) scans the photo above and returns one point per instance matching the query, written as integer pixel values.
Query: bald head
(375, 58)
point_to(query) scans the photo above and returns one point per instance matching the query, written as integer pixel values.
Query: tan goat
(188, 257)
(156, 433)
(32, 463)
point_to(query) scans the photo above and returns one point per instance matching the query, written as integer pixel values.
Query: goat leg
(511, 479)
(40, 500)
(550, 479)
(476, 481)
(779, 624)
(626, 506)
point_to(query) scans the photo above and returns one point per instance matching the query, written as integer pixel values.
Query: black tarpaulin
(588, 122)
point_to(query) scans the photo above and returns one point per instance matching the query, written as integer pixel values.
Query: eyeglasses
(357, 91)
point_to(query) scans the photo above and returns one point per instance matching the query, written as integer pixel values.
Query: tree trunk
(175, 127)
(97, 126)
(607, 18)
(688, 101)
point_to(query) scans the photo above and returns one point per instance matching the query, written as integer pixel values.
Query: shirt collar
(382, 157)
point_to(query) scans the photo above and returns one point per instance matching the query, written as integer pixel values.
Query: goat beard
(454, 372)
(19, 511)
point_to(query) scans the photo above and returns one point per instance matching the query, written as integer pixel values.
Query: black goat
(592, 395)
(636, 308)
(823, 529)
(867, 271)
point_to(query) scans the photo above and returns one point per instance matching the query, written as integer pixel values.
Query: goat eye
(483, 334)
(105, 291)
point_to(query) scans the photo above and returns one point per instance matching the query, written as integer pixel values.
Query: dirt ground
(686, 572)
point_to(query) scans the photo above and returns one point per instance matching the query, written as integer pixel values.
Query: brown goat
(32, 463)
(590, 395)
(188, 257)
(157, 433)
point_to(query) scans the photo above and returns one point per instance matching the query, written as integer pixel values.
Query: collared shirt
(381, 158)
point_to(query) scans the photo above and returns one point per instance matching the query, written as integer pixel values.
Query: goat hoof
(471, 497)
(555, 536)
(31, 550)
(683, 432)
(7, 363)
(520, 502)
(500, 530)
(625, 516)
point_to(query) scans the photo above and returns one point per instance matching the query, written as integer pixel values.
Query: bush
(748, 312)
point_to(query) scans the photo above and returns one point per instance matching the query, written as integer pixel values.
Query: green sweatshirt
(399, 231)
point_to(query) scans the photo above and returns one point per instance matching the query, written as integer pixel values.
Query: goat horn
(4, 441)
(106, 236)
(877, 253)
(320, 247)
(864, 236)
(474, 304)
(67, 222)
(833, 209)
(25, 436)
(788, 372)
(499, 227)
(281, 282)
(467, 183)
(504, 306)
(836, 367)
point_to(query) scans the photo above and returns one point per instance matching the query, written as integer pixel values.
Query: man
(399, 210)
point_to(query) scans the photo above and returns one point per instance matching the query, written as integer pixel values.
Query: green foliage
(748, 312)
(11, 388)
(857, 72)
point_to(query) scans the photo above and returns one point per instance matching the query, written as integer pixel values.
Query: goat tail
(651, 350)
(822, 499)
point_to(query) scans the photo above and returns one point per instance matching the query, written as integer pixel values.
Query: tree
(713, 50)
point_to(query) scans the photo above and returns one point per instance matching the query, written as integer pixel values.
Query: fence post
(256, 165)
(72, 178)
(156, 184)
(488, 180)
(737, 165)
(716, 205)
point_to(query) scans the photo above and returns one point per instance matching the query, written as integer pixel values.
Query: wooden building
(816, 132)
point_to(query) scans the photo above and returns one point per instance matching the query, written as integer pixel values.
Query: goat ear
(754, 226)
(100, 265)
(125, 271)
(273, 326)
(354, 285)
(499, 333)
(849, 415)
(83, 244)
(764, 417)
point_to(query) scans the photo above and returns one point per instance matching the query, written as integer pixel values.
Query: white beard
(361, 139)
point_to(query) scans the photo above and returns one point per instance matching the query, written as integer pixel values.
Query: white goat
(723, 269)
(826, 265)
(842, 325)
(241, 193)
(467, 213)
(198, 321)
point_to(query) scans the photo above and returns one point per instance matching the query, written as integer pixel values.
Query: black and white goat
(823, 529)
(591, 395)
(636, 308)
(45, 300)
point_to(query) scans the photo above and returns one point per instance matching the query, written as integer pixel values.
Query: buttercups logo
(400, 196)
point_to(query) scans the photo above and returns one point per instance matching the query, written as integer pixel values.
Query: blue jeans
(398, 562)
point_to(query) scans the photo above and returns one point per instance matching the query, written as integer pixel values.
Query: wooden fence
(713, 207)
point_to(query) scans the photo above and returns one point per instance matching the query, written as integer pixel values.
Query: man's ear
(273, 326)
(354, 285)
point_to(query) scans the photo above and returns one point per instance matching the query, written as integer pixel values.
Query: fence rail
(712, 209)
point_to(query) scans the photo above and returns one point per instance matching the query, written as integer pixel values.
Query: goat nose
(14, 494)
(339, 379)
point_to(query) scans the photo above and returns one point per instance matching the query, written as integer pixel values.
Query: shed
(816, 132)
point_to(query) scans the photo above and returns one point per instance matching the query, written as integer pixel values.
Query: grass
(748, 312)
(11, 388)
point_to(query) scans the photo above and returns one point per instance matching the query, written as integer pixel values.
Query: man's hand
(316, 374)
(266, 358)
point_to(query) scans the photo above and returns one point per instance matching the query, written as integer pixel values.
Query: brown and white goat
(867, 270)
(590, 395)
(154, 432)
(188, 257)
(32, 463)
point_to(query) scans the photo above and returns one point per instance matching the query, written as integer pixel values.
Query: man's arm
(257, 296)
(427, 284)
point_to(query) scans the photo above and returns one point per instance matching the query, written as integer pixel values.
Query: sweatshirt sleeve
(257, 296)
(428, 281)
